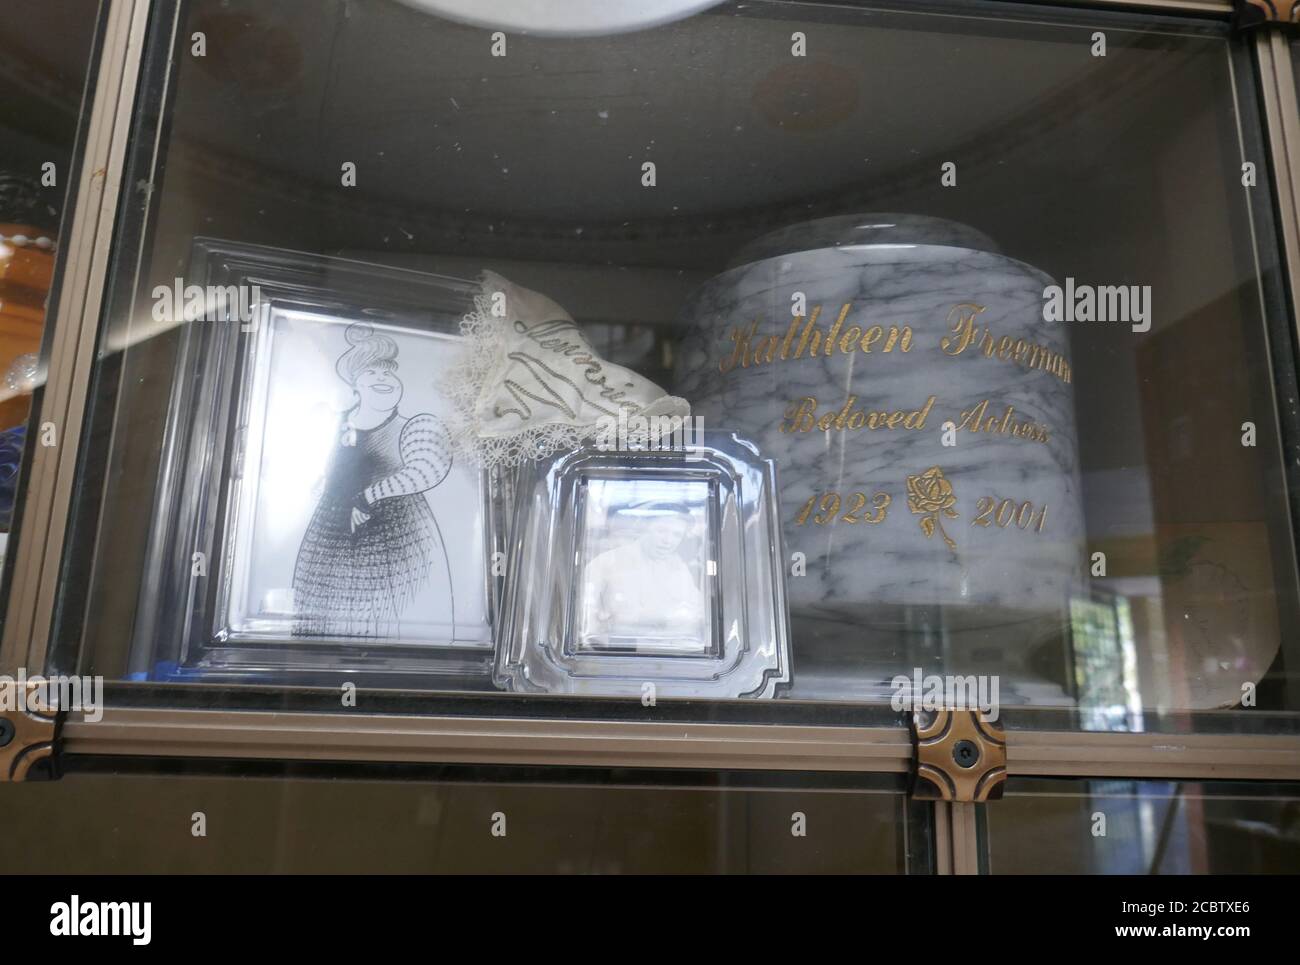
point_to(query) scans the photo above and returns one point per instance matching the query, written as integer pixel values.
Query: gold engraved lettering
(963, 328)
(801, 415)
(901, 336)
(804, 338)
(741, 339)
(978, 419)
(990, 511)
(830, 504)
(851, 335)
(789, 336)
(810, 330)
(835, 330)
(967, 335)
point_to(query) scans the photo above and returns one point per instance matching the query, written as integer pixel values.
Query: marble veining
(994, 571)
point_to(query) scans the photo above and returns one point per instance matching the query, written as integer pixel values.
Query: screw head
(6, 731)
(966, 754)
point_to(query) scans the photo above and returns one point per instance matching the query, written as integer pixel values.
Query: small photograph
(647, 567)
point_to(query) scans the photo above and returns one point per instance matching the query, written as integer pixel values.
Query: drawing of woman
(373, 543)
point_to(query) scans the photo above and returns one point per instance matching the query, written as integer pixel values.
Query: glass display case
(738, 389)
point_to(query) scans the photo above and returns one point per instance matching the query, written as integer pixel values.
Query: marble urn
(920, 411)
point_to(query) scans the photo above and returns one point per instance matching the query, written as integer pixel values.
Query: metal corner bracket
(29, 733)
(961, 756)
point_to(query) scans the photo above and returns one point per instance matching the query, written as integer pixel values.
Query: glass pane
(1001, 347)
(1143, 827)
(273, 819)
(45, 55)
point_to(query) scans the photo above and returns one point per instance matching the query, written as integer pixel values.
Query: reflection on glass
(1105, 663)
(45, 48)
(1143, 827)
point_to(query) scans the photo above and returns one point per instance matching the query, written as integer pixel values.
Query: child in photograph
(644, 590)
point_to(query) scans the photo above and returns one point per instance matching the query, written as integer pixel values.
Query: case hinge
(960, 756)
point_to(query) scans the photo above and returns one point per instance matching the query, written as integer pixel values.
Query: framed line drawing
(313, 519)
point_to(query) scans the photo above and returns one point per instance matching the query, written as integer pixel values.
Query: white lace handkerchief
(532, 384)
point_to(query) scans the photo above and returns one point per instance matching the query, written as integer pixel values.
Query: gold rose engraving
(930, 496)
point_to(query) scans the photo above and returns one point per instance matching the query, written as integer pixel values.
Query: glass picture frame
(313, 520)
(651, 568)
